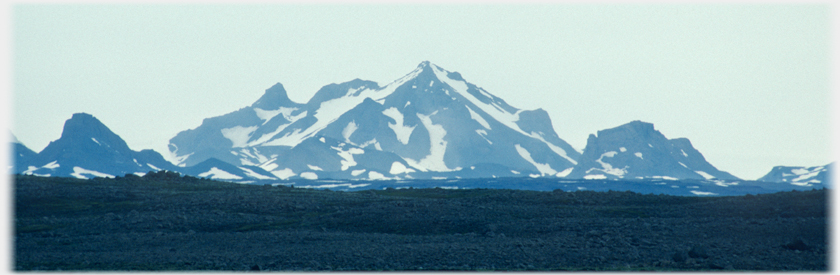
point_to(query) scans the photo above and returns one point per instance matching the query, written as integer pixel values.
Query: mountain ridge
(429, 124)
(637, 150)
(432, 118)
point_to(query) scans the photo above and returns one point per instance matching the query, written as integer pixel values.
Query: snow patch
(701, 193)
(97, 142)
(253, 174)
(724, 183)
(216, 173)
(564, 173)
(805, 176)
(153, 167)
(348, 130)
(309, 175)
(607, 168)
(595, 177)
(356, 173)
(347, 156)
(683, 153)
(704, 174)
(483, 134)
(434, 160)
(267, 115)
(402, 131)
(348, 185)
(543, 168)
(639, 155)
(238, 135)
(266, 137)
(373, 175)
(622, 149)
(475, 116)
(283, 174)
(398, 168)
(51, 165)
(800, 171)
(79, 172)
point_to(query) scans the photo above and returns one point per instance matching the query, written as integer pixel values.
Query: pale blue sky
(749, 85)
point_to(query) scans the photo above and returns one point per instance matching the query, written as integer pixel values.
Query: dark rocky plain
(165, 222)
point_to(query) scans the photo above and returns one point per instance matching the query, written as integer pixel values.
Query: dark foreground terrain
(166, 222)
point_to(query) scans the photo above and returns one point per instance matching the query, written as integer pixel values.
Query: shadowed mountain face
(431, 120)
(86, 149)
(429, 124)
(799, 175)
(636, 150)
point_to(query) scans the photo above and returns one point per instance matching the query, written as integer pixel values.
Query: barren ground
(191, 224)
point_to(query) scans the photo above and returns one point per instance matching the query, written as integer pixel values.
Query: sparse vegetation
(165, 221)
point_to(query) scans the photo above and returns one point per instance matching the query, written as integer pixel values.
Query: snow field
(309, 175)
(216, 173)
(348, 131)
(238, 135)
(543, 168)
(402, 131)
(80, 173)
(434, 160)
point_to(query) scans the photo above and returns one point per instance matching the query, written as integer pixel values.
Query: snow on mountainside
(220, 170)
(800, 176)
(86, 149)
(636, 150)
(429, 121)
(21, 155)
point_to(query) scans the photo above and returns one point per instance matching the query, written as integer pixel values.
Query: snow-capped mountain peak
(432, 118)
(88, 148)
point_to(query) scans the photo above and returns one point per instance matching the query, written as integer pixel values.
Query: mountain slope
(22, 156)
(87, 148)
(220, 170)
(799, 175)
(431, 119)
(224, 133)
(636, 150)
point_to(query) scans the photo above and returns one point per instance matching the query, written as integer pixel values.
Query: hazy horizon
(749, 85)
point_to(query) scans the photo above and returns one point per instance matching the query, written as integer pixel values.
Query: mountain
(220, 170)
(800, 176)
(636, 151)
(87, 148)
(426, 124)
(22, 156)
